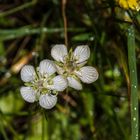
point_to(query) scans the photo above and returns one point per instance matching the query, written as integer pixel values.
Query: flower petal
(58, 52)
(59, 83)
(81, 53)
(28, 94)
(48, 101)
(47, 67)
(81, 64)
(27, 73)
(72, 82)
(87, 74)
(60, 70)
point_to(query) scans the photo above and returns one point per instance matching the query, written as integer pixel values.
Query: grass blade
(133, 82)
(28, 30)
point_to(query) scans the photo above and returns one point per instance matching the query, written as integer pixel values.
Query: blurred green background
(101, 111)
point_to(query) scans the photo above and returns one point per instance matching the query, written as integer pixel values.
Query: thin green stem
(43, 127)
(28, 30)
(19, 8)
(5, 122)
(133, 83)
(2, 129)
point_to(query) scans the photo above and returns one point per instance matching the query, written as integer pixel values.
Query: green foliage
(101, 111)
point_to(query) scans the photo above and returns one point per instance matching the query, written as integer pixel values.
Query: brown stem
(65, 21)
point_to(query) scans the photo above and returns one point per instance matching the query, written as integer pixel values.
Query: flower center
(70, 66)
(39, 84)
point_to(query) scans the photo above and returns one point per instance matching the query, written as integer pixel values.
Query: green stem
(5, 122)
(28, 30)
(133, 83)
(43, 127)
(2, 130)
(19, 8)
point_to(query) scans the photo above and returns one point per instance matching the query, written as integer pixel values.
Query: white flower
(71, 65)
(41, 83)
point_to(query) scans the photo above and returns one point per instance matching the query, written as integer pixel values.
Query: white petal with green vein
(82, 53)
(72, 82)
(59, 52)
(47, 67)
(58, 83)
(28, 94)
(27, 73)
(47, 101)
(87, 74)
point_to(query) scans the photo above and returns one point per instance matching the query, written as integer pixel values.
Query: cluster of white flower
(43, 83)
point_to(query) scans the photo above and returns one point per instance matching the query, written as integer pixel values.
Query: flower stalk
(65, 21)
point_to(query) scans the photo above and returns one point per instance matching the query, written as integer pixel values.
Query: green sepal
(28, 84)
